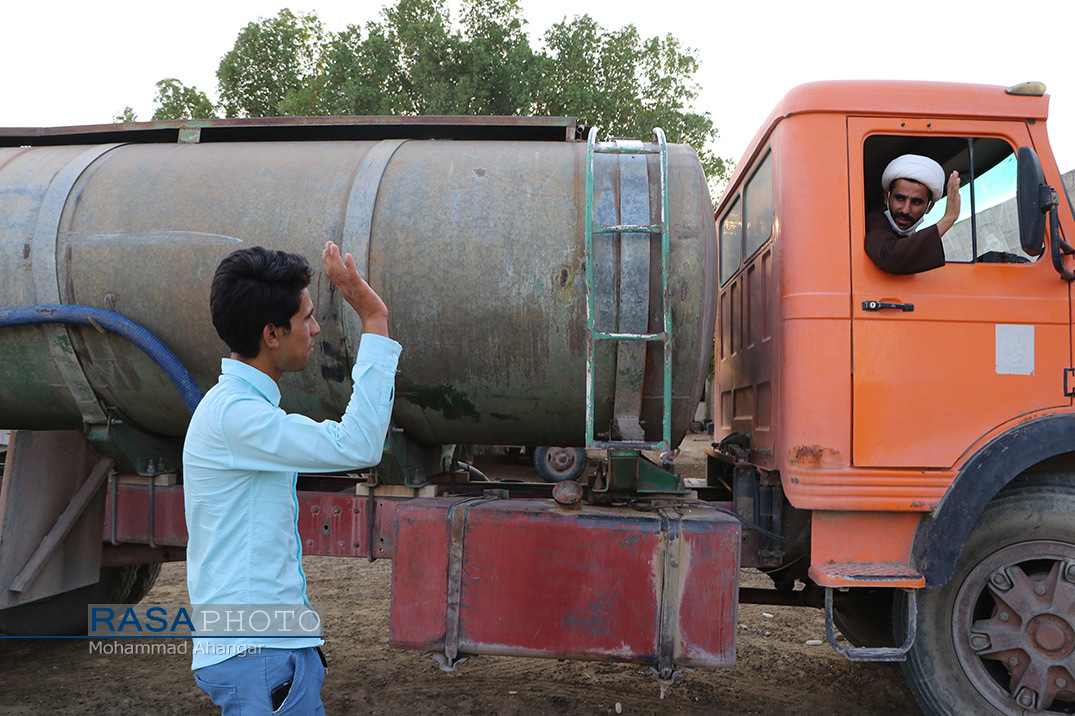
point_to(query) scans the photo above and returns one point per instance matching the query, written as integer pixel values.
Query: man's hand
(951, 209)
(367, 304)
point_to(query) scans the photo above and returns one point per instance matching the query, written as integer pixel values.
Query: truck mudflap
(519, 577)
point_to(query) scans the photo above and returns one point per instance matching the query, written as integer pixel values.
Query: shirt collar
(235, 369)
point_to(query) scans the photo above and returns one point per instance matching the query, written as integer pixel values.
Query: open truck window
(987, 230)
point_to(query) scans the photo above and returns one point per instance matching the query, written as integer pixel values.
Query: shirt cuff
(374, 347)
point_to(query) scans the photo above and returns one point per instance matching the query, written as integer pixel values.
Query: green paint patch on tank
(444, 399)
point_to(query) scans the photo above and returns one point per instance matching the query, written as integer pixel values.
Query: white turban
(916, 168)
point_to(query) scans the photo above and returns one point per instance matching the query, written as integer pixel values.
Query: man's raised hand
(344, 275)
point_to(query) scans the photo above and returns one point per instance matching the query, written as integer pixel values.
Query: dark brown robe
(921, 251)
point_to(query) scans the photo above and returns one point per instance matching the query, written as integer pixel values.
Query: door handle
(881, 306)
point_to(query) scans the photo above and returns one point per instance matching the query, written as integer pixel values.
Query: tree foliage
(125, 115)
(177, 101)
(271, 58)
(415, 59)
(627, 85)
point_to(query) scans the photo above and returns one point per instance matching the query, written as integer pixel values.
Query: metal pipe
(475, 472)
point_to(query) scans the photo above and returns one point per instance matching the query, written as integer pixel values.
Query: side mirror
(1029, 182)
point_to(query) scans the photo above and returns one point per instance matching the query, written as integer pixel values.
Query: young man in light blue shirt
(240, 463)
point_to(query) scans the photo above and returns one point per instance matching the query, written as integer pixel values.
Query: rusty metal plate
(536, 580)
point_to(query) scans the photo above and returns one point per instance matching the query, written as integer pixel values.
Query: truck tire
(999, 637)
(144, 579)
(64, 614)
(556, 464)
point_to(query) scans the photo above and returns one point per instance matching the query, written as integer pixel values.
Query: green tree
(406, 63)
(413, 59)
(627, 85)
(501, 69)
(125, 115)
(270, 59)
(177, 101)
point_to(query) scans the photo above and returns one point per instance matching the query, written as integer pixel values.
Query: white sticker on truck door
(1015, 350)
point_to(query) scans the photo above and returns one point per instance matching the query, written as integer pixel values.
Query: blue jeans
(252, 684)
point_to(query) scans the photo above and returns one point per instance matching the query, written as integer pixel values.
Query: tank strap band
(358, 221)
(633, 300)
(46, 280)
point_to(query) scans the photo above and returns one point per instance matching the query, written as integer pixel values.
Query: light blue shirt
(239, 470)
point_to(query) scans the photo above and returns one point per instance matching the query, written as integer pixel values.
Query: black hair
(252, 288)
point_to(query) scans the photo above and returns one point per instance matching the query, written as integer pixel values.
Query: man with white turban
(912, 185)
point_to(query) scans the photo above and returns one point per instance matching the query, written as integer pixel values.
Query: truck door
(940, 358)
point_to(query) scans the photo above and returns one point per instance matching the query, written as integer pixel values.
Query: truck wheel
(999, 638)
(556, 464)
(144, 579)
(65, 613)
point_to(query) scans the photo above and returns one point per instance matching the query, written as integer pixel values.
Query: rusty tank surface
(472, 229)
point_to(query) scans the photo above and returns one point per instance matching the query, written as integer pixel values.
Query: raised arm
(951, 209)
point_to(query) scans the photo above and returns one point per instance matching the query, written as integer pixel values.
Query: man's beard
(895, 227)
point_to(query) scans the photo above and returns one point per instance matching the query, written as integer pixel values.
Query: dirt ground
(780, 669)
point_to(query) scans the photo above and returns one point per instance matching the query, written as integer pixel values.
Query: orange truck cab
(906, 441)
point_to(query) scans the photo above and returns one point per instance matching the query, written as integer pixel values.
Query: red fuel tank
(489, 576)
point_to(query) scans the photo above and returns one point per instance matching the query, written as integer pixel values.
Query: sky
(84, 62)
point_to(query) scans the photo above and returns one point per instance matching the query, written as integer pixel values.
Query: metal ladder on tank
(628, 232)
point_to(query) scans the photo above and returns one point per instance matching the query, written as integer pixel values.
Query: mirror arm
(1060, 248)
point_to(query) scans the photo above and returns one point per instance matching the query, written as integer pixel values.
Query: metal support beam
(62, 526)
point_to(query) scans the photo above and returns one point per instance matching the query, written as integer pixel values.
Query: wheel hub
(561, 459)
(1051, 636)
(1012, 637)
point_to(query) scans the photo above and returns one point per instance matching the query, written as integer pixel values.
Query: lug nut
(979, 642)
(1000, 581)
(1040, 590)
(1026, 698)
(1004, 616)
(1069, 573)
(1013, 660)
(1061, 683)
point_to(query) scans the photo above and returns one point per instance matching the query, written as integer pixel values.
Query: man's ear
(270, 336)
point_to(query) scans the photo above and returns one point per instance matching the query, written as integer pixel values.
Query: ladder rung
(606, 149)
(630, 336)
(628, 229)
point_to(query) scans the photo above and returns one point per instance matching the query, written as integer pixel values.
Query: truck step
(867, 574)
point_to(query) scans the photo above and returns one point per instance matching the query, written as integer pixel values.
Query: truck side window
(758, 197)
(987, 230)
(741, 236)
(731, 241)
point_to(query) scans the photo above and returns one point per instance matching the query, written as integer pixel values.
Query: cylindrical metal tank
(476, 246)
